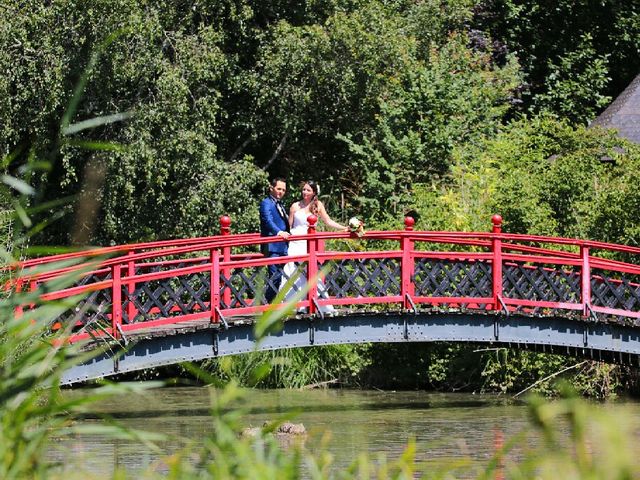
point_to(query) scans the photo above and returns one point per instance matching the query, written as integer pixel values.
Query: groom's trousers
(275, 277)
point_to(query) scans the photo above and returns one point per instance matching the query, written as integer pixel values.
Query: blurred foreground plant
(32, 408)
(33, 355)
(581, 440)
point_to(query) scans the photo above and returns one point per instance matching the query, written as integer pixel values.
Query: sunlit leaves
(545, 177)
(452, 98)
(574, 53)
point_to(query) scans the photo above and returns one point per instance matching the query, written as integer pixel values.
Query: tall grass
(33, 358)
(578, 439)
(32, 406)
(295, 367)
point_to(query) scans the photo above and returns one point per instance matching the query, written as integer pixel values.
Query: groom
(274, 222)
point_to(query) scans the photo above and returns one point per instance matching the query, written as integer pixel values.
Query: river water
(444, 426)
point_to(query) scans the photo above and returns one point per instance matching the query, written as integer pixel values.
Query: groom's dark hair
(275, 180)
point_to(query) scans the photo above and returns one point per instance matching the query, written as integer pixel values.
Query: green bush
(544, 177)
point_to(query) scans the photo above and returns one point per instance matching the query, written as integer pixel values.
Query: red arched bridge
(160, 303)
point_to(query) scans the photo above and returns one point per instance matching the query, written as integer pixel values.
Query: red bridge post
(19, 311)
(312, 265)
(496, 264)
(116, 299)
(214, 294)
(33, 286)
(131, 288)
(585, 274)
(225, 225)
(225, 229)
(406, 245)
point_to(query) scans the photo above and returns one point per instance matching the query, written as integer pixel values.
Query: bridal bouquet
(356, 226)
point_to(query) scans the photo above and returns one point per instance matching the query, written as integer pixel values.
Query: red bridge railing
(123, 289)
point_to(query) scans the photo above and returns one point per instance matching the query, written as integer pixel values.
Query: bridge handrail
(121, 274)
(480, 239)
(88, 253)
(467, 239)
(174, 247)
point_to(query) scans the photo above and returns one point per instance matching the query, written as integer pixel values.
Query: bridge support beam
(556, 335)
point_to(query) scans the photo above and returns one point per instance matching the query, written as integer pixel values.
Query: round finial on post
(312, 220)
(225, 225)
(409, 222)
(497, 223)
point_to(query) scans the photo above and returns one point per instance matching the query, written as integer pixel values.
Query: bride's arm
(292, 210)
(327, 219)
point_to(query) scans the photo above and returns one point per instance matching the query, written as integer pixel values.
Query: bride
(298, 213)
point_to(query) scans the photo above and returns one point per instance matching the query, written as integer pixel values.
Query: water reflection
(443, 425)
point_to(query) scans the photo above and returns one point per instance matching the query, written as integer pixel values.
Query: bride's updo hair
(313, 205)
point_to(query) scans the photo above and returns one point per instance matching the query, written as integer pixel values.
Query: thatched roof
(624, 113)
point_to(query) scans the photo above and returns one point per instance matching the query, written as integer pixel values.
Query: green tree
(163, 68)
(454, 98)
(366, 102)
(574, 54)
(544, 177)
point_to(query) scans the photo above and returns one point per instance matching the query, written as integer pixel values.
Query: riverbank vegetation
(453, 110)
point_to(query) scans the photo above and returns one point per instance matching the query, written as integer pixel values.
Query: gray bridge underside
(600, 341)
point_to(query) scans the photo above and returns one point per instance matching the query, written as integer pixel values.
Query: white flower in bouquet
(356, 226)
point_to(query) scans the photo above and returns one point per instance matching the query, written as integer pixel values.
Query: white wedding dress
(299, 247)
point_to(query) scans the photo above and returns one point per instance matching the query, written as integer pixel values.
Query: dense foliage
(451, 109)
(368, 97)
(544, 177)
(576, 55)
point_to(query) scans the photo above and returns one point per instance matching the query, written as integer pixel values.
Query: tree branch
(548, 377)
(281, 145)
(239, 150)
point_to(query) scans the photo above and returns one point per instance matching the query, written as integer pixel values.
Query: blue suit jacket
(272, 222)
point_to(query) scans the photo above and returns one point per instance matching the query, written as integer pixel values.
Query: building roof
(624, 113)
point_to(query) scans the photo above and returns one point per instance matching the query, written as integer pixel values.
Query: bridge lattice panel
(178, 295)
(370, 277)
(540, 282)
(94, 310)
(452, 278)
(616, 290)
(246, 286)
(295, 279)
